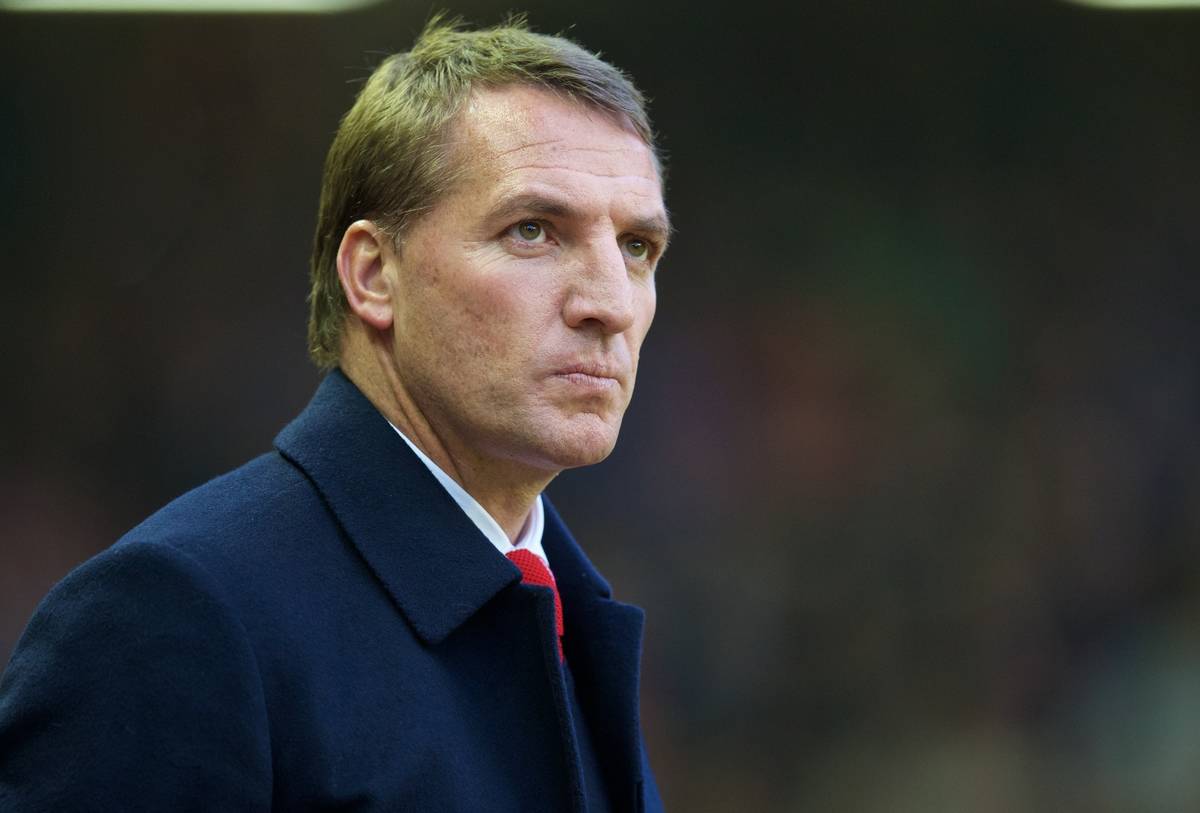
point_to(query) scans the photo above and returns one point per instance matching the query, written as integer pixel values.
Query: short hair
(388, 162)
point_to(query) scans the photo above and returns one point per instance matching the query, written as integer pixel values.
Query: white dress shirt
(529, 539)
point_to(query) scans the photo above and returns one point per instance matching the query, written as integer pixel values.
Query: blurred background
(910, 489)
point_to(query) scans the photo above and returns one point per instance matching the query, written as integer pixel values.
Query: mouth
(597, 377)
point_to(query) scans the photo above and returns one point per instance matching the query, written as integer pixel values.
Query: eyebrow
(658, 226)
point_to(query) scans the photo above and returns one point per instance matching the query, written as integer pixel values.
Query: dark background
(910, 489)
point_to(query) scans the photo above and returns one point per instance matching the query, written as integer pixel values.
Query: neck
(505, 489)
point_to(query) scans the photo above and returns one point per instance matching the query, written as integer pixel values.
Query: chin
(582, 443)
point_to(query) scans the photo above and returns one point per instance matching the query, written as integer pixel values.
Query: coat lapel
(603, 644)
(434, 563)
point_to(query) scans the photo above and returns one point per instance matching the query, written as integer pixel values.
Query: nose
(602, 293)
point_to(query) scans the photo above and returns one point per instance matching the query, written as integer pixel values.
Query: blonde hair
(388, 162)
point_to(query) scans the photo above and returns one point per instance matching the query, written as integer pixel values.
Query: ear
(360, 264)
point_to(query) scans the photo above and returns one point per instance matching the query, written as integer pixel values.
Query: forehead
(515, 136)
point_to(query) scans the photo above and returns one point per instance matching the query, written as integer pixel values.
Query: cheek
(499, 327)
(456, 301)
(516, 306)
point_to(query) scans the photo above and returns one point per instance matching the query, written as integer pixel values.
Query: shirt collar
(529, 539)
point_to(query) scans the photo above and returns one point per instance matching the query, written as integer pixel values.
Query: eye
(528, 231)
(637, 248)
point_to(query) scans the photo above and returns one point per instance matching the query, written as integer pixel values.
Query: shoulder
(135, 586)
(248, 500)
(136, 657)
(260, 520)
(246, 546)
(155, 648)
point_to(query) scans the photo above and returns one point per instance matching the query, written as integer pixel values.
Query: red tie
(534, 572)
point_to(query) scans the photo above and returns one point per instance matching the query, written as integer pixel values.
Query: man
(384, 613)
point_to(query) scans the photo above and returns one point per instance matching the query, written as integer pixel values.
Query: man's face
(522, 298)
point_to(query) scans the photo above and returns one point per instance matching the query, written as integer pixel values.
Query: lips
(593, 370)
(590, 373)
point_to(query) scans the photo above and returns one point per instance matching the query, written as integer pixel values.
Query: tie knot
(534, 571)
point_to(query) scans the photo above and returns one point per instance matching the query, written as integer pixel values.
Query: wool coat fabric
(323, 629)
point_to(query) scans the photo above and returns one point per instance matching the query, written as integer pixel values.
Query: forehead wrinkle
(579, 148)
(621, 176)
(532, 145)
(549, 156)
(511, 150)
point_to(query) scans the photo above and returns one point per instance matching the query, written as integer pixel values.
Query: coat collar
(435, 564)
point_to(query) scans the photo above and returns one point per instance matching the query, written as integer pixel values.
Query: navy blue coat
(322, 629)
